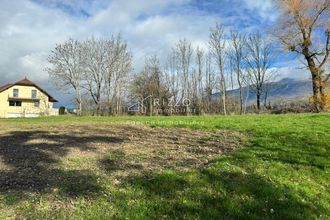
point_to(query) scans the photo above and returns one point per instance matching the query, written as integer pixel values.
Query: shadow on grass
(115, 161)
(28, 162)
(292, 149)
(221, 193)
(217, 195)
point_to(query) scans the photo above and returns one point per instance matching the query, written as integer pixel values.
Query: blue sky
(30, 29)
(238, 13)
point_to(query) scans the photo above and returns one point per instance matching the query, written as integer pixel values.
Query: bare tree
(149, 86)
(183, 53)
(113, 56)
(119, 65)
(259, 60)
(199, 88)
(305, 29)
(121, 80)
(209, 81)
(237, 56)
(172, 76)
(67, 69)
(217, 47)
(99, 66)
(95, 68)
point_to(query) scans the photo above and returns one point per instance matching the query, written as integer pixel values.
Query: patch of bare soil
(35, 159)
(148, 148)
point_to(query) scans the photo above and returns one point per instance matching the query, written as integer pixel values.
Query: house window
(15, 93)
(34, 94)
(15, 103)
(36, 104)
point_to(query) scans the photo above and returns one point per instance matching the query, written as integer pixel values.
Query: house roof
(3, 88)
(26, 82)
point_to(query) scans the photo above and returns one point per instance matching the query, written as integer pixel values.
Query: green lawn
(280, 171)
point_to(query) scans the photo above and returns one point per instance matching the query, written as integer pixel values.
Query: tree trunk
(98, 108)
(265, 99)
(78, 102)
(240, 91)
(241, 98)
(316, 92)
(323, 94)
(246, 98)
(223, 95)
(258, 101)
(316, 81)
(150, 105)
(80, 107)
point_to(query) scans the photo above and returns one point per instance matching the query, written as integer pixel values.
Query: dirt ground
(41, 156)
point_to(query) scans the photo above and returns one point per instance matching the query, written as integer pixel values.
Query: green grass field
(103, 168)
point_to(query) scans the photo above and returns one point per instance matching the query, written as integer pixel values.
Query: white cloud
(265, 8)
(30, 30)
(34, 62)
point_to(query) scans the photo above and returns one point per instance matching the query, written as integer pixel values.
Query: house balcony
(24, 98)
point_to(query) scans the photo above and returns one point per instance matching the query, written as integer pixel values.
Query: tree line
(196, 74)
(97, 70)
(195, 79)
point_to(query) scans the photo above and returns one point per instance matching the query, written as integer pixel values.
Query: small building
(25, 99)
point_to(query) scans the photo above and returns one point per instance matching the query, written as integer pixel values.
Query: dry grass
(156, 149)
(32, 154)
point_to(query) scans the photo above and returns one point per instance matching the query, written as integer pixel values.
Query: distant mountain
(285, 89)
